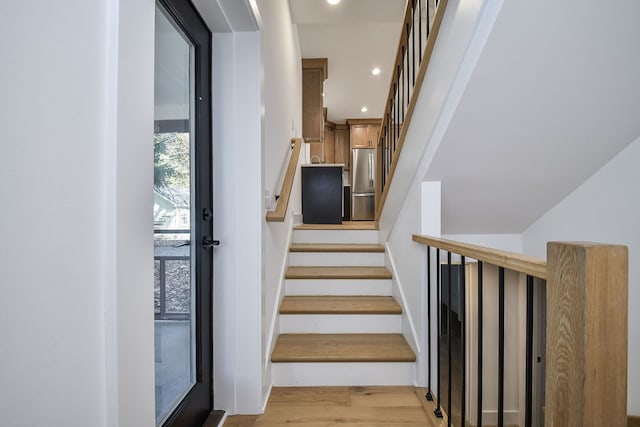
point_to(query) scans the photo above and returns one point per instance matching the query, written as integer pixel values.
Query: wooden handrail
(279, 213)
(532, 266)
(422, 70)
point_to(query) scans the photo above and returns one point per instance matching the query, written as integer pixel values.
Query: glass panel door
(173, 215)
(183, 220)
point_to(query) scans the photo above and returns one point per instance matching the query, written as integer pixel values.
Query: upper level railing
(573, 371)
(279, 213)
(420, 29)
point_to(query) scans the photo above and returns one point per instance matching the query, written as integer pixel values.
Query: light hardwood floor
(343, 406)
(294, 348)
(330, 304)
(325, 273)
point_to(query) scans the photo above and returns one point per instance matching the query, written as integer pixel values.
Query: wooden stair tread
(291, 348)
(346, 225)
(340, 305)
(335, 247)
(337, 273)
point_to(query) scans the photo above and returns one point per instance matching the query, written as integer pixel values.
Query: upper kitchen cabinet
(314, 73)
(364, 132)
(342, 146)
(329, 142)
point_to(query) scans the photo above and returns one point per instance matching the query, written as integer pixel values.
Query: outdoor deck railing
(177, 252)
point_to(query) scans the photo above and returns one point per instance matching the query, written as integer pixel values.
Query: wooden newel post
(586, 379)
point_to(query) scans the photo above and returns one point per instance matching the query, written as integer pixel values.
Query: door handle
(208, 242)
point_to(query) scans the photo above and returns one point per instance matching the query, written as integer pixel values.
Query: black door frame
(198, 403)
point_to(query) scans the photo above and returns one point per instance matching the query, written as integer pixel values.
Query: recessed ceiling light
(364, 109)
(333, 2)
(322, 93)
(375, 71)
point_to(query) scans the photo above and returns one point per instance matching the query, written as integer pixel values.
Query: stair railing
(420, 29)
(280, 212)
(580, 368)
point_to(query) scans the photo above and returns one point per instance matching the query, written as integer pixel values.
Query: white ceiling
(355, 36)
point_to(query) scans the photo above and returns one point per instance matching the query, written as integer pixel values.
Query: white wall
(282, 120)
(129, 203)
(238, 220)
(536, 102)
(605, 208)
(504, 242)
(281, 87)
(256, 111)
(77, 114)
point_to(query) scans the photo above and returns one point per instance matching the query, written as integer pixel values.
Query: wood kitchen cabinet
(342, 146)
(364, 133)
(314, 73)
(329, 142)
(315, 152)
(324, 151)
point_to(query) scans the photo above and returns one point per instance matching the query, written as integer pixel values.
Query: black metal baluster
(396, 111)
(420, 30)
(501, 347)
(383, 166)
(387, 147)
(449, 334)
(407, 68)
(429, 396)
(529, 355)
(163, 287)
(413, 40)
(480, 315)
(395, 145)
(404, 76)
(438, 412)
(463, 333)
(390, 126)
(427, 25)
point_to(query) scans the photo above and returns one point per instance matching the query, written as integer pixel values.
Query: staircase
(339, 324)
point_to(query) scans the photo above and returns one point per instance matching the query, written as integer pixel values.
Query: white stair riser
(337, 287)
(336, 259)
(335, 236)
(340, 323)
(342, 374)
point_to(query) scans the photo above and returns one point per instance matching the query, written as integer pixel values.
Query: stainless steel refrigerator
(363, 184)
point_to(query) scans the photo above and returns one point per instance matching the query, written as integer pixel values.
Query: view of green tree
(171, 176)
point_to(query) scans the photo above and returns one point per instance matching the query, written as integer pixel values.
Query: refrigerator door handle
(371, 169)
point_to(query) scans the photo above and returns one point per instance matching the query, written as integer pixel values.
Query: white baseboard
(274, 324)
(409, 330)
